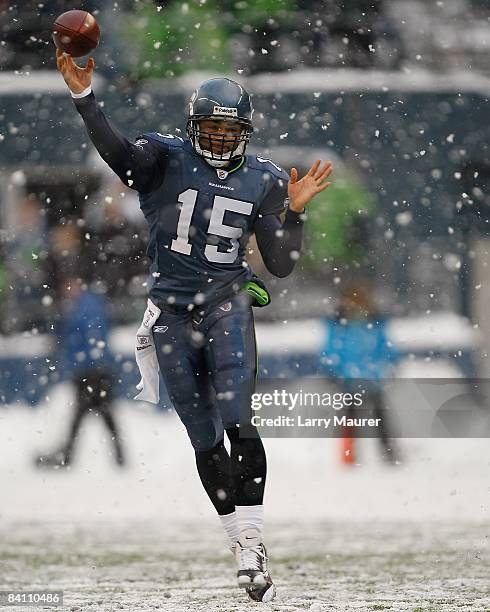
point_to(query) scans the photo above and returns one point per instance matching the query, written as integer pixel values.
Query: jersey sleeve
(280, 243)
(276, 200)
(140, 165)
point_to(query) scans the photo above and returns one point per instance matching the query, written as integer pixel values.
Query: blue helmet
(224, 100)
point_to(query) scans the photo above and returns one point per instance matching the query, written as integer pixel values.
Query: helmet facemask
(216, 148)
(220, 100)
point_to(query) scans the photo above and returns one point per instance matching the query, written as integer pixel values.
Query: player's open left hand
(302, 191)
(76, 78)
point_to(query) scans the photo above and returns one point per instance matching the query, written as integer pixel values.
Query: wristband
(83, 93)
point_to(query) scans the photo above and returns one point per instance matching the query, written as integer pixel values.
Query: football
(76, 32)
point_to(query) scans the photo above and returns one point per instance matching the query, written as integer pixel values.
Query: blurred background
(395, 259)
(395, 93)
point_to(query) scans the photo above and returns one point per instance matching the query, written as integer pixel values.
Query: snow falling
(390, 285)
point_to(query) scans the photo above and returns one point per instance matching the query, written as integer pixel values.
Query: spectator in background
(25, 263)
(65, 257)
(115, 246)
(358, 355)
(86, 360)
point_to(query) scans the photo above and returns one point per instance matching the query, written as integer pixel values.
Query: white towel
(146, 357)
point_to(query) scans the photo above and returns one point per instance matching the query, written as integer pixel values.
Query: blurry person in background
(25, 263)
(86, 360)
(358, 355)
(64, 257)
(116, 236)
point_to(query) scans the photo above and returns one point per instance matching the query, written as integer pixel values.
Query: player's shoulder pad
(266, 165)
(166, 141)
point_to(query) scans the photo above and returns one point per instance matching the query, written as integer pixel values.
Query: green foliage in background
(180, 37)
(334, 217)
(258, 12)
(174, 38)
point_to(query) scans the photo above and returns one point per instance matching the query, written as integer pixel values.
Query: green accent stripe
(242, 161)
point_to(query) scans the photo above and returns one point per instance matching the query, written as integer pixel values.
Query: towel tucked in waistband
(146, 357)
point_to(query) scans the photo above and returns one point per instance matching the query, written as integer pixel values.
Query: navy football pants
(208, 362)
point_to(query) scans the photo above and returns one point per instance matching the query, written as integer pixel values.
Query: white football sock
(230, 525)
(250, 517)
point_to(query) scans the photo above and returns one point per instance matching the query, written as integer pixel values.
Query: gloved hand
(258, 290)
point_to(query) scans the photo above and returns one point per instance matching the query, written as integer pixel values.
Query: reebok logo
(160, 329)
(225, 307)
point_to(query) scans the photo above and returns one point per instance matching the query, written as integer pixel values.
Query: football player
(203, 197)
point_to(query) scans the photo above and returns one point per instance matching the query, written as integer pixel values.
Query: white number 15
(216, 226)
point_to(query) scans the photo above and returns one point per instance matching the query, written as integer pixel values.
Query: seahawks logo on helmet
(223, 100)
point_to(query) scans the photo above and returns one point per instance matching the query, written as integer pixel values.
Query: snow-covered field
(318, 566)
(412, 537)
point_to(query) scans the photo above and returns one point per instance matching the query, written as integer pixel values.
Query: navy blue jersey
(200, 217)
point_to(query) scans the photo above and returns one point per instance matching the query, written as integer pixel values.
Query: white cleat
(263, 594)
(252, 571)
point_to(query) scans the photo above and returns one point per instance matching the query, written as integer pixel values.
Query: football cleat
(251, 557)
(263, 594)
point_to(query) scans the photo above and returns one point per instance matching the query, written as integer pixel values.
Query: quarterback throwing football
(203, 197)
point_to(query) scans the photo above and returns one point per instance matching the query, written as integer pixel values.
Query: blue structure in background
(30, 380)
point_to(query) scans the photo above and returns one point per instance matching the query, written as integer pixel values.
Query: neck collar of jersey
(224, 172)
(237, 166)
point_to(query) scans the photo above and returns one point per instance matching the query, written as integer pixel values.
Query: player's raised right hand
(75, 77)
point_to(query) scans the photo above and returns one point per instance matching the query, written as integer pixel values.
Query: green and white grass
(332, 566)
(409, 538)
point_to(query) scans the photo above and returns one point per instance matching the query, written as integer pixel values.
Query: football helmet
(220, 99)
